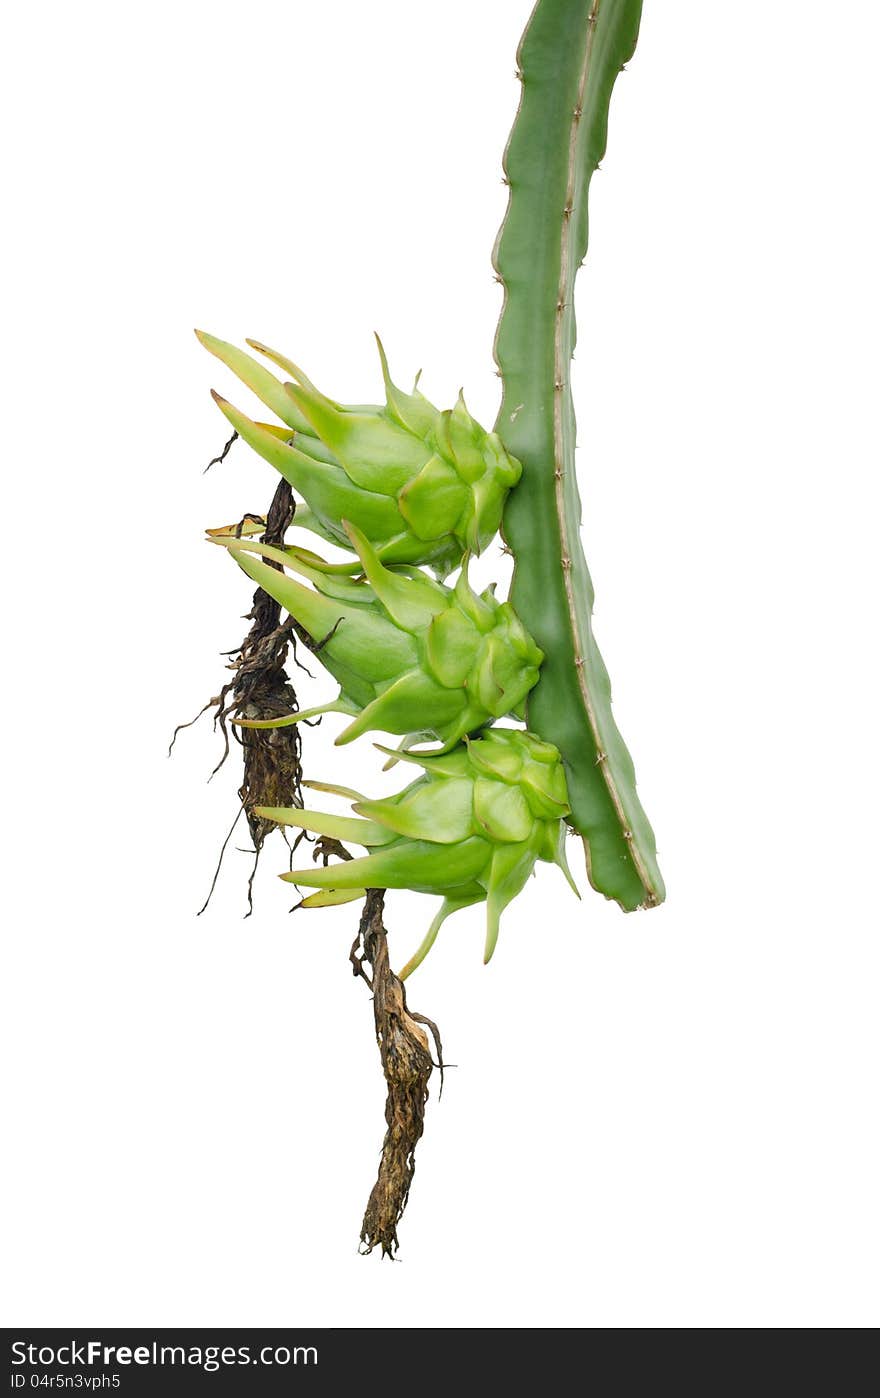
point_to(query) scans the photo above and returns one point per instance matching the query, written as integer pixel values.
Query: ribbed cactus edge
(568, 60)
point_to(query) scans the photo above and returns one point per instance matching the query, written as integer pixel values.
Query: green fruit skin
(412, 656)
(470, 829)
(424, 486)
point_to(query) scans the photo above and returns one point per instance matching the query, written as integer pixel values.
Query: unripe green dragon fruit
(470, 829)
(423, 485)
(411, 655)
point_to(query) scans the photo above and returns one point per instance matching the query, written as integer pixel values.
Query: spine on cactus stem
(569, 58)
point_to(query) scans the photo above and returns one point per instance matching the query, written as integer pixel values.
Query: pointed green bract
(258, 379)
(373, 452)
(410, 410)
(410, 602)
(418, 865)
(363, 832)
(414, 697)
(441, 811)
(332, 897)
(334, 789)
(511, 867)
(465, 829)
(446, 909)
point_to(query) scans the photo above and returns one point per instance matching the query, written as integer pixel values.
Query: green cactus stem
(470, 829)
(412, 656)
(424, 486)
(569, 59)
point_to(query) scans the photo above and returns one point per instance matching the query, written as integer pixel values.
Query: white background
(663, 1120)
